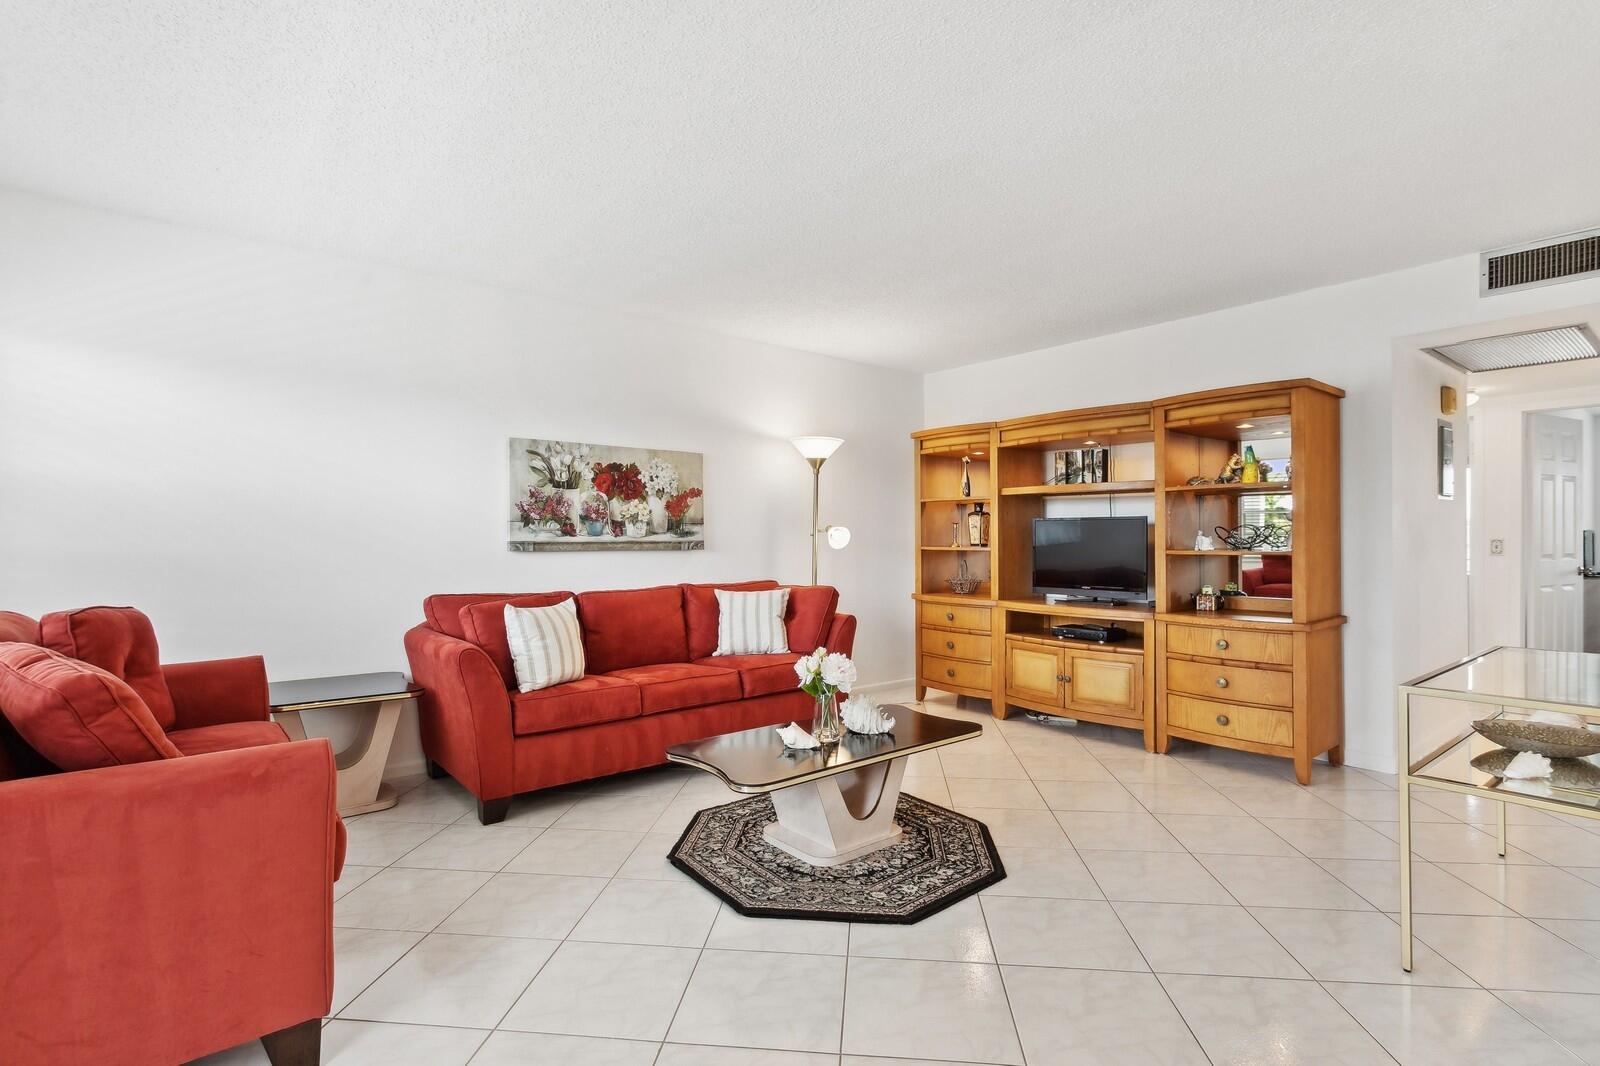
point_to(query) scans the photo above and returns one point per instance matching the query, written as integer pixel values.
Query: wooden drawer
(1248, 645)
(955, 617)
(955, 645)
(1275, 688)
(1257, 724)
(954, 673)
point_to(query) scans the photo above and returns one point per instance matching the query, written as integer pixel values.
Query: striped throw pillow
(751, 623)
(546, 644)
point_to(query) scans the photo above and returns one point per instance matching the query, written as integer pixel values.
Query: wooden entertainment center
(1261, 674)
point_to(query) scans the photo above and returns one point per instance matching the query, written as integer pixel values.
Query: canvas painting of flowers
(567, 496)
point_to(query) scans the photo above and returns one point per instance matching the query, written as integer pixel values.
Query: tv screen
(1092, 556)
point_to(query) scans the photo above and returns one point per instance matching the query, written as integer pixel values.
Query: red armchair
(1274, 577)
(159, 911)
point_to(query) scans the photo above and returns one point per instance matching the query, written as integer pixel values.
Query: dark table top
(755, 760)
(338, 691)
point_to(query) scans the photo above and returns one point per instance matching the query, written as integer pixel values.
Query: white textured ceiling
(917, 184)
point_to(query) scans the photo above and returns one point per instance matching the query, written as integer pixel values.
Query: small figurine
(1233, 471)
(1205, 599)
(1203, 543)
(1231, 589)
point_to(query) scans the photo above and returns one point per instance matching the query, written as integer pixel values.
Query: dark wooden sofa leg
(298, 1045)
(435, 771)
(492, 811)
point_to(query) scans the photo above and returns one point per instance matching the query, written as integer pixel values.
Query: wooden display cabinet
(954, 630)
(1263, 675)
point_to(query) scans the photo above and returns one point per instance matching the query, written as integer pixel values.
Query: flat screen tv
(1092, 558)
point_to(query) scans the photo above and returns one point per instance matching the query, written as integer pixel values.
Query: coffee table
(834, 803)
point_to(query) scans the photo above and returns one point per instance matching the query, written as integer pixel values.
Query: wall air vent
(1522, 266)
(1520, 349)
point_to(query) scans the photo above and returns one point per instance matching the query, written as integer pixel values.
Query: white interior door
(1555, 588)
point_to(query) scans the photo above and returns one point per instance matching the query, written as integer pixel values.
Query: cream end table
(380, 697)
(1508, 682)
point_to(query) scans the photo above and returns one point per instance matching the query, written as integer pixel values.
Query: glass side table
(1436, 712)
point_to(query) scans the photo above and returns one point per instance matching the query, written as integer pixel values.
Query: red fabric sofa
(1274, 577)
(652, 682)
(158, 911)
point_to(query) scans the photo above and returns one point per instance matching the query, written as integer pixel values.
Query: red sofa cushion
(588, 700)
(484, 623)
(632, 627)
(674, 686)
(74, 714)
(443, 611)
(120, 641)
(808, 616)
(760, 675)
(202, 740)
(700, 613)
(18, 627)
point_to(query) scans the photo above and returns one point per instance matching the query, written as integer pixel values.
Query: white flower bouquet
(660, 478)
(823, 675)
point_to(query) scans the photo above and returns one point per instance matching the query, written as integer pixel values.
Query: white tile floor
(1193, 908)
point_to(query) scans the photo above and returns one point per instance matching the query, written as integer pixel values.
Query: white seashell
(862, 714)
(1527, 766)
(795, 737)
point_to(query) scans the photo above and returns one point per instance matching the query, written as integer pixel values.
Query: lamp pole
(816, 498)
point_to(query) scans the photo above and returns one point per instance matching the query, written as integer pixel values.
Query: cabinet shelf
(955, 499)
(1229, 552)
(1102, 488)
(1237, 488)
(953, 548)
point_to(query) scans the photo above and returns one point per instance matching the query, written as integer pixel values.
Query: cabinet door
(1108, 683)
(1034, 673)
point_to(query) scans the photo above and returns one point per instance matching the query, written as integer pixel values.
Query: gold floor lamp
(816, 451)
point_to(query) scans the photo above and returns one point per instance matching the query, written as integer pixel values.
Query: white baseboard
(884, 686)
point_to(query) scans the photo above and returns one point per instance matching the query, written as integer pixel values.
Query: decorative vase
(595, 529)
(637, 528)
(978, 527)
(574, 497)
(658, 515)
(966, 476)
(825, 724)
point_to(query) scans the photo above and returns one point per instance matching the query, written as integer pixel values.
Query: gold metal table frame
(1568, 682)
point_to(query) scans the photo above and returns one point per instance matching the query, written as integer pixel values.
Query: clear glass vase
(825, 724)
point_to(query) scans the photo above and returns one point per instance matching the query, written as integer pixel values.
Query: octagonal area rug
(943, 857)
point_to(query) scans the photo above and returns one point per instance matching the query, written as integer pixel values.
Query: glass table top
(1565, 678)
(755, 760)
(335, 691)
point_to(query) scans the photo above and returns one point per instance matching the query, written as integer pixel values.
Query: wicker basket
(963, 584)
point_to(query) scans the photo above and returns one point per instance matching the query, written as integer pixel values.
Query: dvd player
(1086, 631)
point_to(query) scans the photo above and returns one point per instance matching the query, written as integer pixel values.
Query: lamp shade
(816, 447)
(838, 537)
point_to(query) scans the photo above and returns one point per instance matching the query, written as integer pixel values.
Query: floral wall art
(598, 497)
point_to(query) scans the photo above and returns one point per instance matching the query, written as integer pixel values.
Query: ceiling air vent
(1522, 266)
(1520, 349)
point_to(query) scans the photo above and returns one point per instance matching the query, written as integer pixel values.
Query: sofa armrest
(218, 691)
(842, 634)
(464, 712)
(160, 911)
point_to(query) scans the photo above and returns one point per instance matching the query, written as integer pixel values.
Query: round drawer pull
(1222, 682)
(949, 616)
(950, 644)
(1065, 678)
(949, 673)
(1222, 719)
(1222, 644)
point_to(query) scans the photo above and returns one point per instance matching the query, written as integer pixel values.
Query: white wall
(1349, 335)
(280, 452)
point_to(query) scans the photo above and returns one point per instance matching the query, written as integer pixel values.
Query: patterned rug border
(929, 909)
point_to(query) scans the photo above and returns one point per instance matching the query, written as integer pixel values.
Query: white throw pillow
(546, 644)
(751, 623)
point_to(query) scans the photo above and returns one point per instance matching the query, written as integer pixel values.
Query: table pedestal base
(832, 820)
(360, 766)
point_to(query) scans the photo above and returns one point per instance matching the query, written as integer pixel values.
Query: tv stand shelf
(1264, 677)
